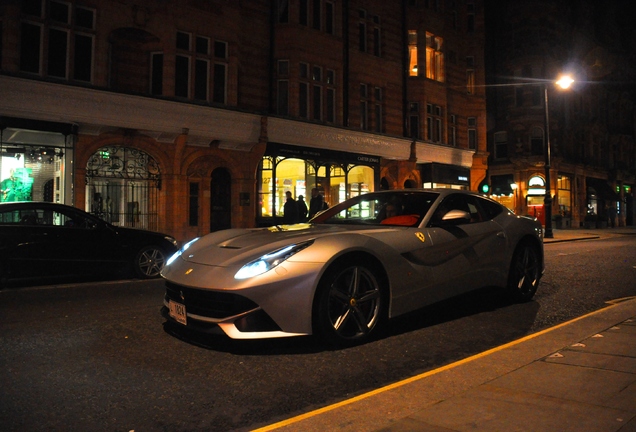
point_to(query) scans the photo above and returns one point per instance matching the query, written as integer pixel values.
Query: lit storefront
(35, 161)
(337, 176)
(437, 175)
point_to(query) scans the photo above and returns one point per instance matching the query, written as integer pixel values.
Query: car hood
(239, 246)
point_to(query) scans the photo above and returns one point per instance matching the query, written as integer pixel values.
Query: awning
(601, 189)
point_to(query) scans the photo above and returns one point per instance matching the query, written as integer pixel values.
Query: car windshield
(394, 209)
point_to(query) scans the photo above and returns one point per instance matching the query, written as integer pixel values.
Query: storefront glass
(33, 166)
(328, 171)
(564, 185)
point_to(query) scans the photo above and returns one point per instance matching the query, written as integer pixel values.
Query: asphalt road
(98, 357)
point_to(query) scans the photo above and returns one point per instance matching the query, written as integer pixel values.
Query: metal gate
(122, 187)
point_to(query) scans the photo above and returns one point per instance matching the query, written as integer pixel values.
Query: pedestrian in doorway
(316, 204)
(302, 209)
(290, 209)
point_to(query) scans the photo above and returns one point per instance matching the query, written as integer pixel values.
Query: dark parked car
(40, 240)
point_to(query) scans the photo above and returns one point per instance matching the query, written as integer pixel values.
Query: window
(364, 107)
(317, 15)
(536, 141)
(317, 99)
(282, 9)
(67, 52)
(196, 59)
(193, 214)
(303, 12)
(414, 120)
(329, 18)
(434, 57)
(362, 31)
(472, 133)
(470, 75)
(156, 74)
(331, 97)
(413, 68)
(501, 145)
(564, 186)
(282, 92)
(303, 100)
(434, 123)
(452, 130)
(219, 94)
(470, 25)
(378, 100)
(377, 39)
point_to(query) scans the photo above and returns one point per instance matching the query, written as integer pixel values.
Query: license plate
(177, 312)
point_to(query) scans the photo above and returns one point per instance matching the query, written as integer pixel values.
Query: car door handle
(501, 234)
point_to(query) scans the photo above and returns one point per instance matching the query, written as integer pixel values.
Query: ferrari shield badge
(420, 236)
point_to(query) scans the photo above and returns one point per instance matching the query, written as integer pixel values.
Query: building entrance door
(220, 200)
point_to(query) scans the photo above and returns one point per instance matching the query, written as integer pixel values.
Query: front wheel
(525, 273)
(351, 305)
(149, 262)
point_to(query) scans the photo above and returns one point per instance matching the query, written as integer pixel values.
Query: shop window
(27, 173)
(335, 182)
(564, 186)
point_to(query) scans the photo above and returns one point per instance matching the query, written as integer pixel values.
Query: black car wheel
(149, 262)
(525, 273)
(351, 306)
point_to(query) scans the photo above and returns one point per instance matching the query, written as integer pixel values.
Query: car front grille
(212, 304)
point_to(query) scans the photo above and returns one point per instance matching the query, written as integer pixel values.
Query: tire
(149, 262)
(350, 306)
(525, 273)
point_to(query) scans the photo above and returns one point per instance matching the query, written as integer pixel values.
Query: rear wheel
(351, 304)
(525, 273)
(149, 262)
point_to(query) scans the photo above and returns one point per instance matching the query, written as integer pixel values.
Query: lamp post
(564, 82)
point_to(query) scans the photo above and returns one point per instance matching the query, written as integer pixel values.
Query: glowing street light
(564, 82)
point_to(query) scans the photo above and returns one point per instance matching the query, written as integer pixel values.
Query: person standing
(302, 209)
(290, 209)
(316, 204)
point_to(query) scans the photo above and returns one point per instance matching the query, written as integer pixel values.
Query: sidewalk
(577, 376)
(573, 234)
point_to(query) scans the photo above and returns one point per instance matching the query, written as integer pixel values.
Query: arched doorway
(220, 200)
(122, 187)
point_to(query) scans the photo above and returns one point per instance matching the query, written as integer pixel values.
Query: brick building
(591, 125)
(193, 116)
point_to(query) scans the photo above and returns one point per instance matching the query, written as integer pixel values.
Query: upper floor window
(362, 30)
(414, 120)
(57, 40)
(434, 122)
(413, 68)
(470, 75)
(452, 130)
(200, 68)
(434, 57)
(472, 133)
(501, 145)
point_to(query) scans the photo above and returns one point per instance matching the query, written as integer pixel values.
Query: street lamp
(563, 82)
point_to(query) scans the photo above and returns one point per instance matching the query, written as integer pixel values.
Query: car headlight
(270, 260)
(180, 251)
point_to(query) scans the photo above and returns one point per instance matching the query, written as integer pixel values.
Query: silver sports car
(353, 266)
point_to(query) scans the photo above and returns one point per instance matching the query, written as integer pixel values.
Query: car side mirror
(456, 217)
